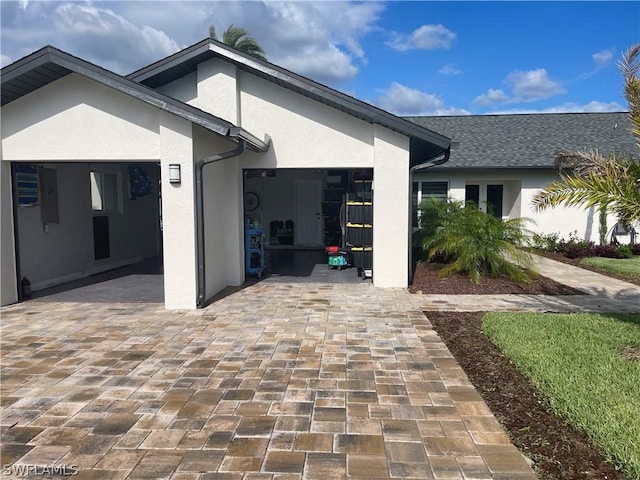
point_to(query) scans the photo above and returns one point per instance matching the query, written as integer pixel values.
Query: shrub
(625, 251)
(546, 242)
(635, 249)
(609, 251)
(476, 243)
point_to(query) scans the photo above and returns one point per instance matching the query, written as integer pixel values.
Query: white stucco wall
(305, 133)
(8, 284)
(519, 188)
(217, 90)
(78, 119)
(390, 209)
(184, 89)
(58, 252)
(222, 182)
(178, 214)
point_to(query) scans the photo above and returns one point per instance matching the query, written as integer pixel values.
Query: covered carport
(75, 140)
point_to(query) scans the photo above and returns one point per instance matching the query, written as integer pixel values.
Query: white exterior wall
(223, 234)
(77, 119)
(178, 214)
(305, 133)
(390, 209)
(519, 188)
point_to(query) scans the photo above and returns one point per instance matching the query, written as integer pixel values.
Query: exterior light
(174, 173)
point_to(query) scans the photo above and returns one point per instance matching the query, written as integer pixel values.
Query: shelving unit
(359, 226)
(332, 201)
(254, 251)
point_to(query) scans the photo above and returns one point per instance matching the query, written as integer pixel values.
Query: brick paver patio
(276, 381)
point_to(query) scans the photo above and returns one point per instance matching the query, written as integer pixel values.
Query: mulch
(426, 280)
(558, 450)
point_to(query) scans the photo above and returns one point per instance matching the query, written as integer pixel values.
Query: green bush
(547, 242)
(625, 251)
(473, 242)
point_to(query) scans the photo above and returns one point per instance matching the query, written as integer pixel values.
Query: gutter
(200, 164)
(435, 161)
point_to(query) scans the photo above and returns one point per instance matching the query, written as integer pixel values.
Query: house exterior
(504, 160)
(100, 170)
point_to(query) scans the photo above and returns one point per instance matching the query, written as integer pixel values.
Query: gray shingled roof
(528, 140)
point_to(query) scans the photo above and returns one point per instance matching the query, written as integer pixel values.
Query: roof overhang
(425, 143)
(50, 64)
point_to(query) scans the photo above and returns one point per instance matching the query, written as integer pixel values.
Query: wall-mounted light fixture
(174, 173)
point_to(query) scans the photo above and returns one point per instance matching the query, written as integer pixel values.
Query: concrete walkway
(275, 381)
(602, 294)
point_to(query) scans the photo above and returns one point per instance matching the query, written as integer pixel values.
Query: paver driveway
(285, 381)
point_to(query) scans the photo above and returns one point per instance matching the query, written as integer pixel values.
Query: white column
(178, 214)
(8, 282)
(390, 209)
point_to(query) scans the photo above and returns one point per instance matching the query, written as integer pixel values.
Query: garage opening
(309, 225)
(88, 232)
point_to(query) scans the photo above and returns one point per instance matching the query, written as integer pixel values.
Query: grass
(575, 361)
(627, 267)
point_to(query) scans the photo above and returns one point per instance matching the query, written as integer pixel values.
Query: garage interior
(88, 231)
(297, 214)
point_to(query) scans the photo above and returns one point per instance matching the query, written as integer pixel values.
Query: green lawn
(629, 267)
(574, 360)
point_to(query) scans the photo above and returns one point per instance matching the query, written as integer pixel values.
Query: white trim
(84, 273)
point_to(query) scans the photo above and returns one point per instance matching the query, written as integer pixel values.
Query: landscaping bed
(558, 450)
(426, 280)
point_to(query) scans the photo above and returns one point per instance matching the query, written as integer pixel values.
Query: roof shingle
(529, 140)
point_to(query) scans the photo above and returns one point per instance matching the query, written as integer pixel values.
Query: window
(105, 191)
(438, 190)
(422, 191)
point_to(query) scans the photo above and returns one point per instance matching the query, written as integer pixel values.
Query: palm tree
(589, 179)
(239, 38)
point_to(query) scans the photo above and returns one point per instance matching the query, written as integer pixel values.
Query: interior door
(308, 212)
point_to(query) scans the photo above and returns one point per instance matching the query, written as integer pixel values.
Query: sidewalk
(603, 294)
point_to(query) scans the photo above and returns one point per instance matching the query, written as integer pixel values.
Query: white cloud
(321, 40)
(450, 69)
(406, 101)
(4, 60)
(427, 37)
(603, 57)
(591, 107)
(326, 65)
(127, 35)
(533, 85)
(110, 37)
(492, 97)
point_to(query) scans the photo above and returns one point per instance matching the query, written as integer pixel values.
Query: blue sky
(411, 58)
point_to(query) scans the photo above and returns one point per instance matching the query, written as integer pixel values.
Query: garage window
(105, 191)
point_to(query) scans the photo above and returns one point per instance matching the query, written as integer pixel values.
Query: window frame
(112, 203)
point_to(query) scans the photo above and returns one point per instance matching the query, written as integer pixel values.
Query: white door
(308, 212)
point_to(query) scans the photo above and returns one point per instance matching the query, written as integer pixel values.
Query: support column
(390, 209)
(8, 281)
(178, 214)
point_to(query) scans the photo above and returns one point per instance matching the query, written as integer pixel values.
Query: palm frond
(630, 68)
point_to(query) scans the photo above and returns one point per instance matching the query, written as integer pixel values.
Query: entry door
(308, 209)
(494, 200)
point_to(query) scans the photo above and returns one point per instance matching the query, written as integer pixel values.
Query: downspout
(200, 253)
(433, 162)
